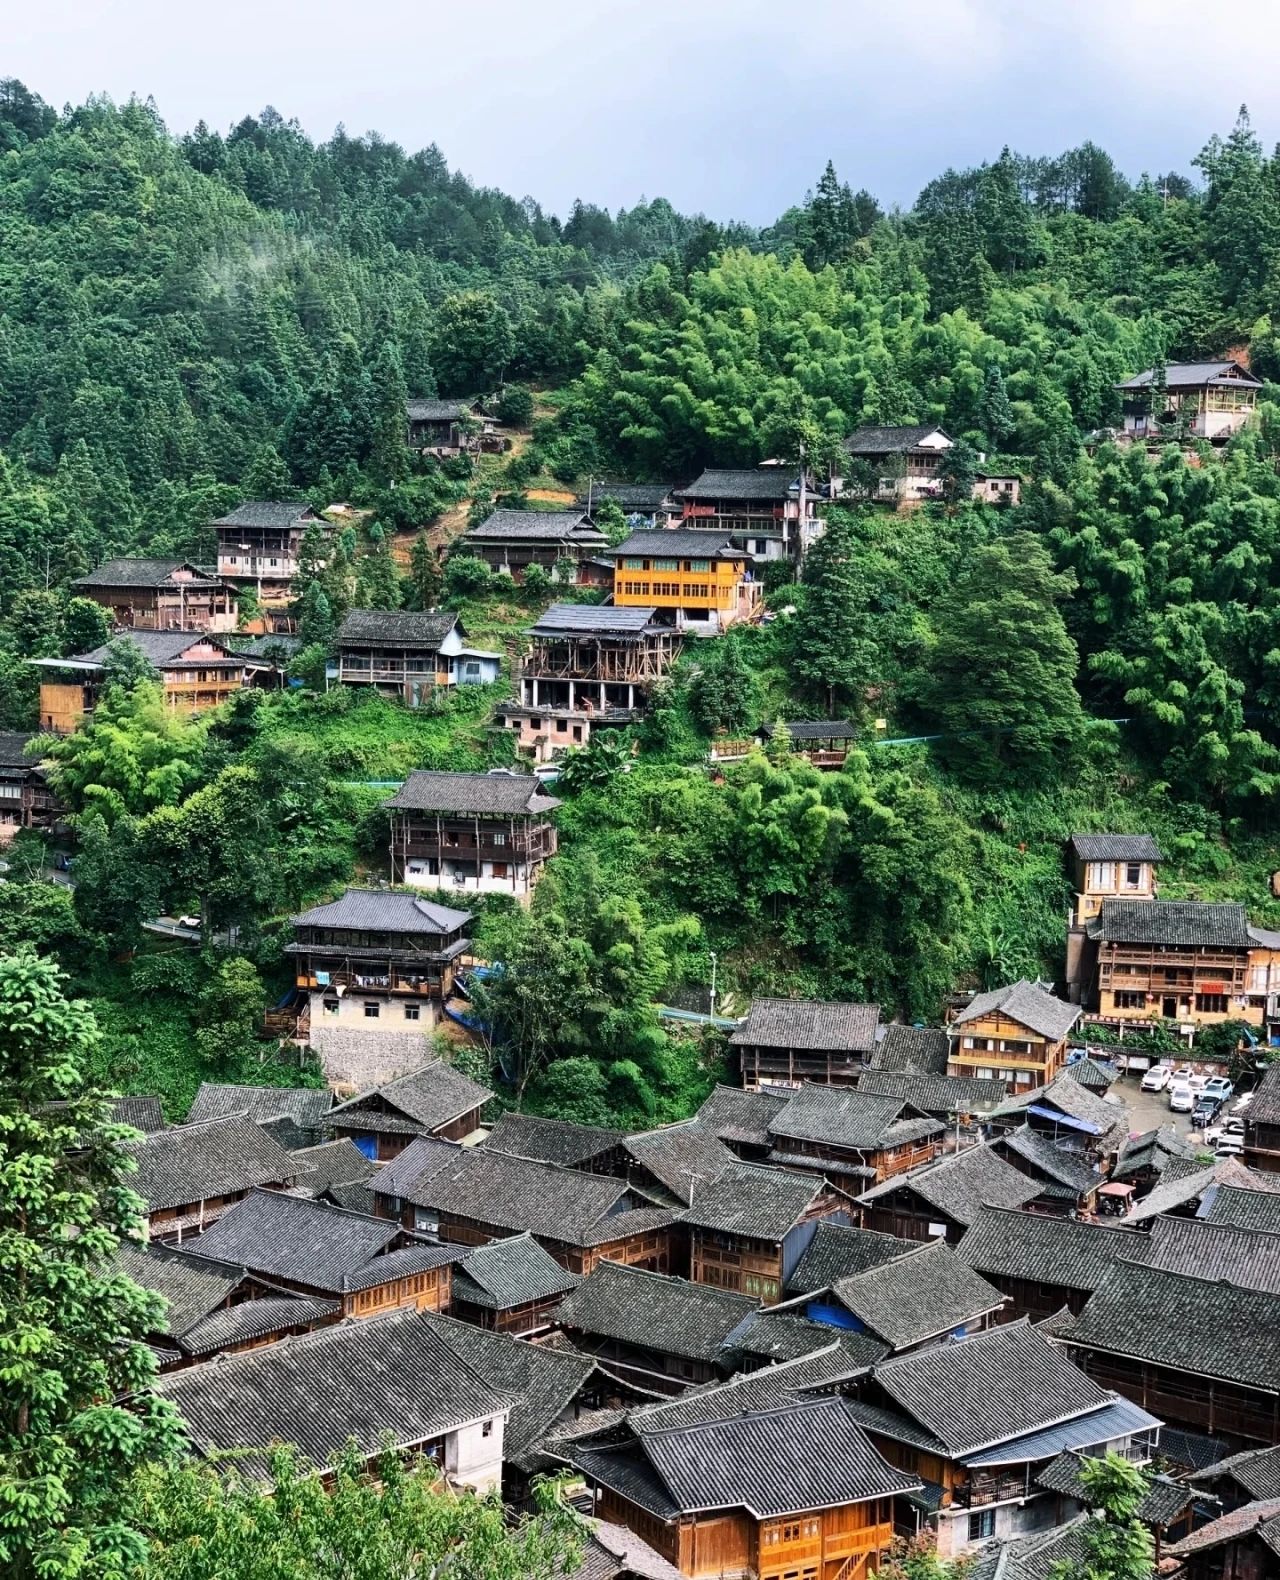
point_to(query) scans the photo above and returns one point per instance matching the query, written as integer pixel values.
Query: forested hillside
(187, 321)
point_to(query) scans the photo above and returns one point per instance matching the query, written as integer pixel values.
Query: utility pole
(800, 527)
(713, 984)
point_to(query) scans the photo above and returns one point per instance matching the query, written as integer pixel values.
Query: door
(1169, 1008)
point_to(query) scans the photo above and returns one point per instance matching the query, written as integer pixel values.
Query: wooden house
(948, 1097)
(377, 956)
(1143, 1158)
(795, 1489)
(1069, 1180)
(942, 1200)
(436, 1100)
(1151, 960)
(696, 581)
(294, 1115)
(784, 1042)
(1167, 1507)
(749, 1228)
(1262, 982)
(197, 671)
(1224, 1252)
(1071, 1117)
(160, 595)
(511, 1286)
(582, 1219)
(1262, 1124)
(978, 1419)
(479, 833)
(1110, 867)
(838, 1250)
(259, 543)
(215, 1310)
(368, 1265)
(389, 1382)
(596, 1149)
(26, 797)
(448, 427)
(1246, 1477)
(741, 1119)
(394, 1186)
(1241, 1545)
(513, 540)
(1167, 1341)
(584, 658)
(823, 743)
(337, 1172)
(409, 655)
(894, 464)
(1044, 1263)
(1016, 1034)
(1214, 400)
(188, 1175)
(642, 504)
(1243, 1204)
(1190, 1189)
(852, 1137)
(768, 512)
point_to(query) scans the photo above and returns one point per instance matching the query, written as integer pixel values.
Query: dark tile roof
(612, 1552)
(742, 1117)
(665, 543)
(13, 749)
(815, 729)
(1245, 1209)
(1164, 1500)
(1041, 1556)
(306, 1106)
(550, 1140)
(1115, 847)
(423, 631)
(845, 1117)
(1029, 1005)
(515, 795)
(391, 1377)
(191, 1288)
(1184, 1183)
(256, 1319)
(1189, 375)
(805, 1023)
(1187, 1324)
(514, 1194)
(961, 1185)
(1227, 1254)
(764, 482)
(1151, 1150)
(1257, 1470)
(837, 1251)
(913, 1048)
(585, 619)
(332, 1163)
(280, 513)
(309, 1242)
(541, 1382)
(775, 1336)
(809, 1454)
(192, 1163)
(426, 1098)
(424, 1156)
(917, 1297)
(143, 1113)
(383, 910)
(888, 440)
(134, 571)
(270, 644)
(934, 1094)
(761, 1203)
(438, 410)
(654, 1311)
(1190, 1450)
(684, 1158)
(984, 1390)
(1044, 1249)
(1108, 1122)
(1171, 922)
(1260, 1520)
(543, 525)
(1265, 1106)
(1045, 1158)
(638, 497)
(508, 1273)
(1099, 1075)
(160, 647)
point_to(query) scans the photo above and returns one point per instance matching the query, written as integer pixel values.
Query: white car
(1197, 1082)
(1157, 1078)
(1225, 1131)
(1182, 1098)
(1228, 1147)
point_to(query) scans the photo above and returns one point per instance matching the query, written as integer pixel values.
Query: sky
(728, 107)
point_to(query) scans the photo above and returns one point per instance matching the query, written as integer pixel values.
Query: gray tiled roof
(383, 910)
(1046, 1158)
(998, 1385)
(585, 619)
(1151, 1150)
(191, 1288)
(684, 1158)
(612, 1552)
(837, 1251)
(654, 1311)
(961, 1185)
(1029, 1005)
(1163, 1501)
(1115, 847)
(1183, 1183)
(638, 497)
(514, 795)
(816, 729)
(1191, 1450)
(1189, 375)
(1230, 1255)
(917, 1297)
(256, 1319)
(1171, 922)
(764, 482)
(1245, 1209)
(309, 1242)
(888, 440)
(162, 647)
(13, 749)
(774, 1336)
(845, 1117)
(306, 1106)
(1043, 1249)
(508, 1273)
(761, 1203)
(1257, 1470)
(744, 1117)
(422, 410)
(1098, 1075)
(1109, 1121)
(664, 543)
(134, 571)
(332, 1163)
(142, 1113)
(427, 1098)
(550, 1140)
(421, 630)
(808, 1024)
(1041, 1556)
(280, 513)
(1260, 1519)
(1185, 1324)
(191, 1163)
(390, 1377)
(1265, 1106)
(934, 1094)
(542, 525)
(913, 1048)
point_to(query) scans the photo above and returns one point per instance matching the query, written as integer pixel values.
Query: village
(891, 1282)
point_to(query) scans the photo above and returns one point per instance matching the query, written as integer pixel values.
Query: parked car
(1197, 1082)
(1233, 1126)
(1218, 1086)
(1205, 1111)
(1157, 1078)
(1181, 1097)
(1228, 1147)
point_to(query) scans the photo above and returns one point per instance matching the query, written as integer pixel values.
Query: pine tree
(995, 413)
(389, 452)
(315, 617)
(268, 476)
(426, 575)
(833, 655)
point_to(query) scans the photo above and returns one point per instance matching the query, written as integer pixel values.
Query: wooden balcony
(983, 1490)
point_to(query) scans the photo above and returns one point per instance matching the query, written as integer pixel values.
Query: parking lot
(1149, 1110)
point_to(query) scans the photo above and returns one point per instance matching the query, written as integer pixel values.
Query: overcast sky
(727, 106)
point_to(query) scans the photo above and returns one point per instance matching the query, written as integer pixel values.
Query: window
(561, 726)
(487, 1429)
(273, 562)
(982, 1525)
(666, 565)
(699, 565)
(1133, 875)
(499, 838)
(1211, 1003)
(1103, 874)
(634, 565)
(413, 1012)
(371, 1010)
(331, 1006)
(1126, 1000)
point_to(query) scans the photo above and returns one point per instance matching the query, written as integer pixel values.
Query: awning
(1082, 1125)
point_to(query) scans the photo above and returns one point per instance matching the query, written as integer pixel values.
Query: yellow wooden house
(695, 580)
(1016, 1034)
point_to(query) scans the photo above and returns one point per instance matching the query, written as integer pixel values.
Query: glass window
(413, 1012)
(371, 1011)
(982, 1525)
(331, 1006)
(666, 565)
(699, 565)
(1133, 874)
(634, 565)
